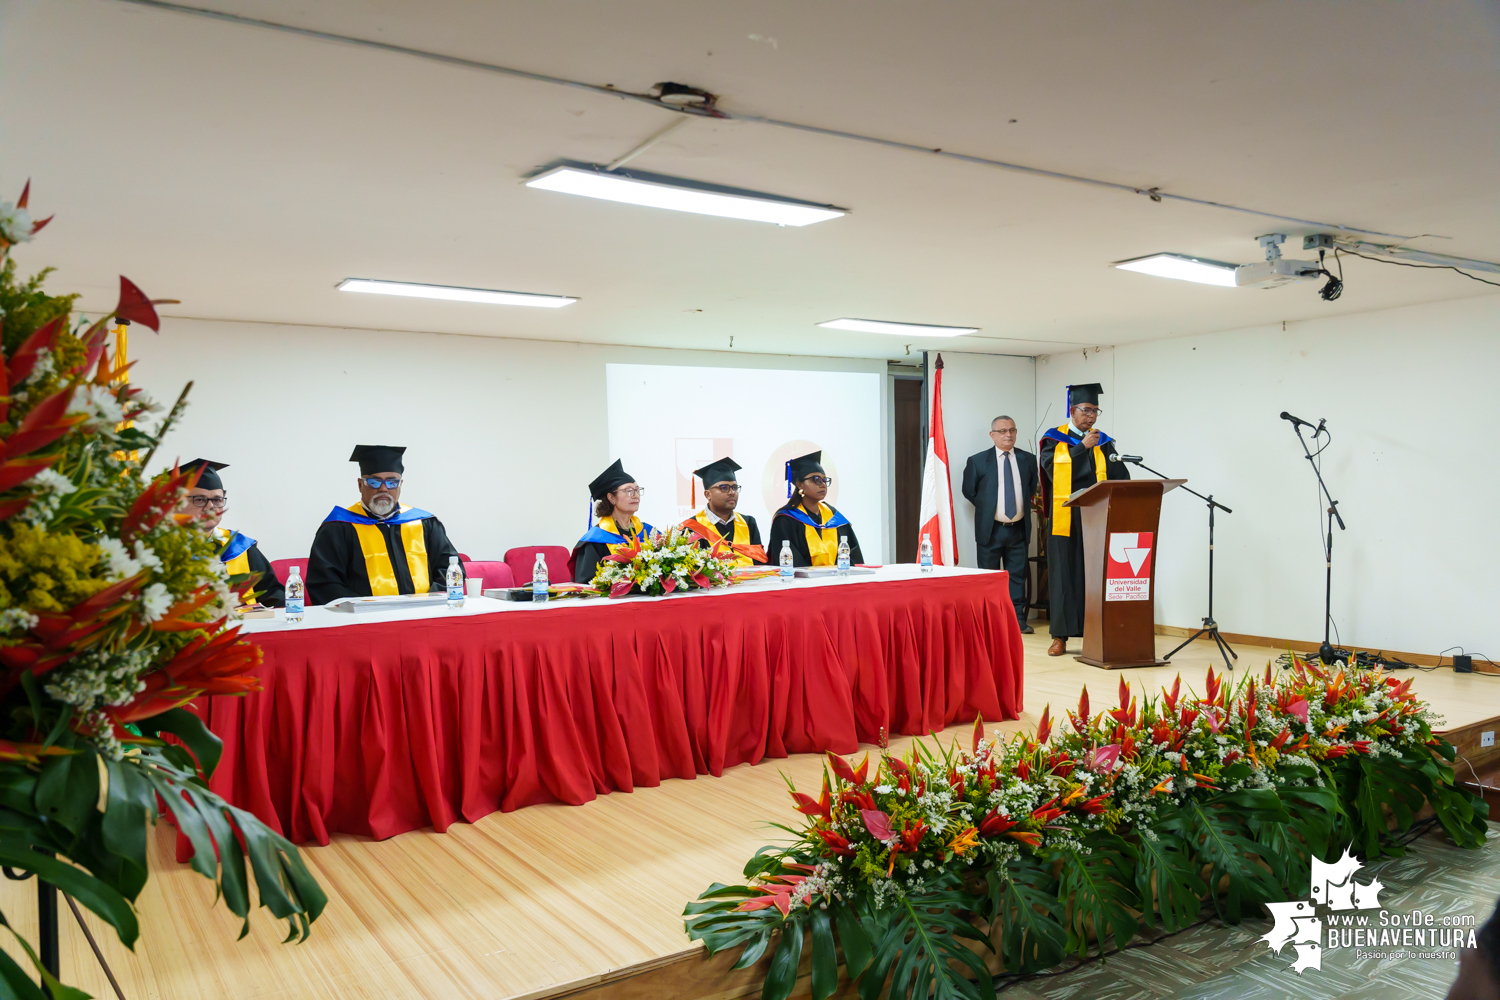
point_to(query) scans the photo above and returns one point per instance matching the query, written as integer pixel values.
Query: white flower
(99, 406)
(15, 223)
(155, 601)
(52, 481)
(16, 620)
(121, 565)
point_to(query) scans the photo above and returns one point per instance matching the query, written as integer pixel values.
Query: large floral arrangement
(668, 561)
(1036, 847)
(113, 616)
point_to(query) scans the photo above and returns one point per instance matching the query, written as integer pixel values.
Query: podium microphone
(1132, 459)
(1295, 420)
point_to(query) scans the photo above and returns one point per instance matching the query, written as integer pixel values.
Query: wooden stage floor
(546, 901)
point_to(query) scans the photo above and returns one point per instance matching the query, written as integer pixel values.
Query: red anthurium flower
(1298, 708)
(878, 823)
(1044, 728)
(1104, 758)
(134, 306)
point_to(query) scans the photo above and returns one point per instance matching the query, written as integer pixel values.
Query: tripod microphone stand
(1210, 626)
(1327, 653)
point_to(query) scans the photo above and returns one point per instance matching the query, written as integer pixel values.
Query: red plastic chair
(494, 574)
(559, 562)
(282, 568)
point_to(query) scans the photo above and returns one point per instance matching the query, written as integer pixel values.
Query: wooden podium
(1119, 556)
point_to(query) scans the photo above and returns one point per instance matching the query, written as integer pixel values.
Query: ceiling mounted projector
(1275, 270)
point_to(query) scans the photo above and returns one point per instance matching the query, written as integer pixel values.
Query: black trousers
(1006, 550)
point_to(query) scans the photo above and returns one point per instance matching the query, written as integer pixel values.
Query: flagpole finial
(939, 362)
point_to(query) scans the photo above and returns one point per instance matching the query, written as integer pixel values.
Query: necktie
(1010, 490)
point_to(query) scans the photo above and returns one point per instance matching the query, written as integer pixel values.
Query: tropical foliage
(934, 868)
(114, 614)
(684, 558)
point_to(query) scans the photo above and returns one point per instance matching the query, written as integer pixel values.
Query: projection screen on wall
(665, 421)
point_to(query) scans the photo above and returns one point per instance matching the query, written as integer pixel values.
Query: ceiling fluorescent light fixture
(1183, 268)
(902, 329)
(655, 191)
(451, 293)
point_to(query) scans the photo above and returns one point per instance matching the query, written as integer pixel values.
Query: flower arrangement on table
(1035, 848)
(665, 562)
(113, 615)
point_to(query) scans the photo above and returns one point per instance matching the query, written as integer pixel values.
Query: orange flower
(966, 838)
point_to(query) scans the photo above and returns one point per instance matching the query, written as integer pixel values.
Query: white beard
(381, 506)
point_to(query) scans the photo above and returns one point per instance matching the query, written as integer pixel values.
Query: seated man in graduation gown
(617, 496)
(206, 501)
(378, 547)
(1074, 457)
(721, 495)
(810, 525)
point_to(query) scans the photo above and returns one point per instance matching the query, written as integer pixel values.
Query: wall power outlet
(1487, 738)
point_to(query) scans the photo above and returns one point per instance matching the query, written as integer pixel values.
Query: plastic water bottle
(455, 583)
(296, 592)
(539, 580)
(843, 555)
(926, 553)
(788, 571)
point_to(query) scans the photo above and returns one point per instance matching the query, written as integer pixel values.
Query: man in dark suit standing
(1000, 483)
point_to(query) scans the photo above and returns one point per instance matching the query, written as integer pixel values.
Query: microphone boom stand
(1326, 652)
(1210, 627)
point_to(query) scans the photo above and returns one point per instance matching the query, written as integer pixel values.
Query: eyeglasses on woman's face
(203, 503)
(818, 480)
(630, 493)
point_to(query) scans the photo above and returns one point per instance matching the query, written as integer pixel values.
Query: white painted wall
(1410, 396)
(977, 388)
(503, 436)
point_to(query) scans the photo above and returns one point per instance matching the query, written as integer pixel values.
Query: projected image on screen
(666, 421)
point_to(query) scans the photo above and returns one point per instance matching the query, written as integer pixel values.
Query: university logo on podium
(1127, 567)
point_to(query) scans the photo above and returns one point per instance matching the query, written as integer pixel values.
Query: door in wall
(908, 466)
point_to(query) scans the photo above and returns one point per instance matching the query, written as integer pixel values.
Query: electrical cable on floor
(1020, 977)
(108, 973)
(1155, 194)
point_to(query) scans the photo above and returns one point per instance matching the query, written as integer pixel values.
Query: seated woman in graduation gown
(206, 502)
(617, 497)
(378, 547)
(810, 525)
(721, 495)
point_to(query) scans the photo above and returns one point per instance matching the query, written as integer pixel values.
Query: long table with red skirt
(379, 724)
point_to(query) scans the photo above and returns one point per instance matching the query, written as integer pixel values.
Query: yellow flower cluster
(43, 571)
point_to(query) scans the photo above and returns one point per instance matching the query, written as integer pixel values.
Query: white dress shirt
(1015, 477)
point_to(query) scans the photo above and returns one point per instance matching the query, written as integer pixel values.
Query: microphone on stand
(1132, 459)
(1295, 420)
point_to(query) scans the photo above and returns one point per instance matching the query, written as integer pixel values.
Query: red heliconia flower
(1083, 706)
(1249, 709)
(822, 806)
(1170, 697)
(911, 837)
(1124, 694)
(1362, 746)
(1189, 716)
(898, 766)
(1047, 811)
(1094, 806)
(956, 782)
(993, 824)
(1044, 728)
(1023, 769)
(841, 768)
(862, 772)
(1212, 684)
(1268, 675)
(1232, 756)
(1280, 739)
(834, 842)
(1334, 753)
(978, 731)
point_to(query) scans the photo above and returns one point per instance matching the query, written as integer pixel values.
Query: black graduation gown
(272, 593)
(586, 560)
(336, 565)
(785, 527)
(1065, 552)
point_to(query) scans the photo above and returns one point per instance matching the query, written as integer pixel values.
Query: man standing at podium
(1074, 457)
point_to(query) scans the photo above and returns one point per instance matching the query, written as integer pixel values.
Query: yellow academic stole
(378, 559)
(822, 548)
(239, 564)
(607, 523)
(741, 535)
(1062, 473)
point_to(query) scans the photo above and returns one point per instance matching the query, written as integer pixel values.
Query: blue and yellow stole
(606, 532)
(822, 537)
(235, 555)
(372, 546)
(1062, 472)
(740, 535)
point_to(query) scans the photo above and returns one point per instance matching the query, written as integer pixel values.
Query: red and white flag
(936, 517)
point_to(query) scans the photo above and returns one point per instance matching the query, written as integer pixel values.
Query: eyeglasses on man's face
(375, 483)
(1003, 430)
(1089, 411)
(203, 503)
(725, 487)
(632, 492)
(819, 480)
